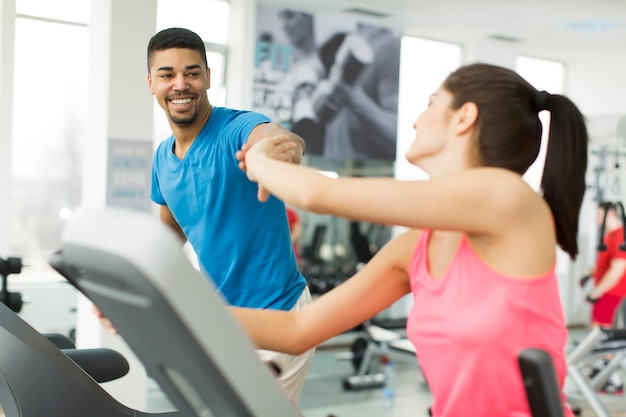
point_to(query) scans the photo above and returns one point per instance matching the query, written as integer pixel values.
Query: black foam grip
(60, 341)
(540, 383)
(101, 364)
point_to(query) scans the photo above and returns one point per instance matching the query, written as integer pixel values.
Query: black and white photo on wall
(331, 79)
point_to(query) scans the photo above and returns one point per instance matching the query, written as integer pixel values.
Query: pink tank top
(469, 326)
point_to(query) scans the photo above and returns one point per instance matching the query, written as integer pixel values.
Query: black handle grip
(101, 364)
(541, 384)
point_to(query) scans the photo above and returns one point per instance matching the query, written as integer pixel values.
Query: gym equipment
(312, 252)
(360, 243)
(134, 269)
(39, 379)
(44, 374)
(598, 343)
(102, 364)
(324, 275)
(366, 352)
(11, 265)
(540, 383)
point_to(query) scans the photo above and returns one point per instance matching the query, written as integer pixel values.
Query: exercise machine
(8, 266)
(134, 269)
(102, 364)
(367, 352)
(47, 376)
(598, 343)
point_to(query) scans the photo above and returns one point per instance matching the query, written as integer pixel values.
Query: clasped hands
(277, 146)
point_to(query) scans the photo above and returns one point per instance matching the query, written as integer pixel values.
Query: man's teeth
(182, 101)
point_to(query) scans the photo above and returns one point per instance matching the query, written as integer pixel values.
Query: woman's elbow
(298, 341)
(299, 347)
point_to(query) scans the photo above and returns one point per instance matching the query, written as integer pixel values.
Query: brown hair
(509, 136)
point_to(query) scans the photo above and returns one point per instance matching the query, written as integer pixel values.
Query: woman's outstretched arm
(482, 201)
(377, 286)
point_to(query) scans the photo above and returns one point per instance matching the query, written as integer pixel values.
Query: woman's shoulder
(409, 238)
(522, 241)
(508, 188)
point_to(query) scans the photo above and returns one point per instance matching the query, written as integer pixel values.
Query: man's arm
(168, 218)
(274, 129)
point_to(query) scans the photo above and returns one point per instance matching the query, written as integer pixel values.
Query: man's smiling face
(178, 79)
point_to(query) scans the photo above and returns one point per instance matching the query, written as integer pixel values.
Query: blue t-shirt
(243, 245)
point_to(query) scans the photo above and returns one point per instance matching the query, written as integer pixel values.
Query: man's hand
(278, 147)
(283, 149)
(266, 131)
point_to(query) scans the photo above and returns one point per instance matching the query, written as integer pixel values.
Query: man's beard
(183, 121)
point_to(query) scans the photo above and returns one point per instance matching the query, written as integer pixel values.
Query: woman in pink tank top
(479, 251)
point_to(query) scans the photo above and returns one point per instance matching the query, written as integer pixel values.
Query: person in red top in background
(295, 228)
(609, 274)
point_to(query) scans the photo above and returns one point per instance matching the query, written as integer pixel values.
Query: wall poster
(331, 79)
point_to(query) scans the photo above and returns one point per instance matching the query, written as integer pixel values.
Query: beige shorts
(293, 368)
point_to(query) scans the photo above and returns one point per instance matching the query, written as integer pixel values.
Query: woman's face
(432, 128)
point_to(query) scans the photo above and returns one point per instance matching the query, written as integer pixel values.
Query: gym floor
(323, 394)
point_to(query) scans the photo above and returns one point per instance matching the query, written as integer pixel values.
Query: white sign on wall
(129, 174)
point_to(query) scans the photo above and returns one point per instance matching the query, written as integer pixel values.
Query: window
(49, 118)
(70, 11)
(208, 18)
(424, 64)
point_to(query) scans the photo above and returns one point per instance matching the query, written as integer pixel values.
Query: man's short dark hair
(176, 38)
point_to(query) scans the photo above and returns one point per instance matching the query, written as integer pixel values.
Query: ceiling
(562, 30)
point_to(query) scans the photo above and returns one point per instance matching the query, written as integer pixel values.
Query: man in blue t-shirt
(243, 245)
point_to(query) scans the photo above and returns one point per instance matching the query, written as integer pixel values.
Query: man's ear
(150, 87)
(467, 117)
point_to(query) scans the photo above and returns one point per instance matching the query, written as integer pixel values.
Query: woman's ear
(467, 116)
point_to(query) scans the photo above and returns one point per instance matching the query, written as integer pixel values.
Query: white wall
(599, 86)
(240, 64)
(7, 37)
(119, 107)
